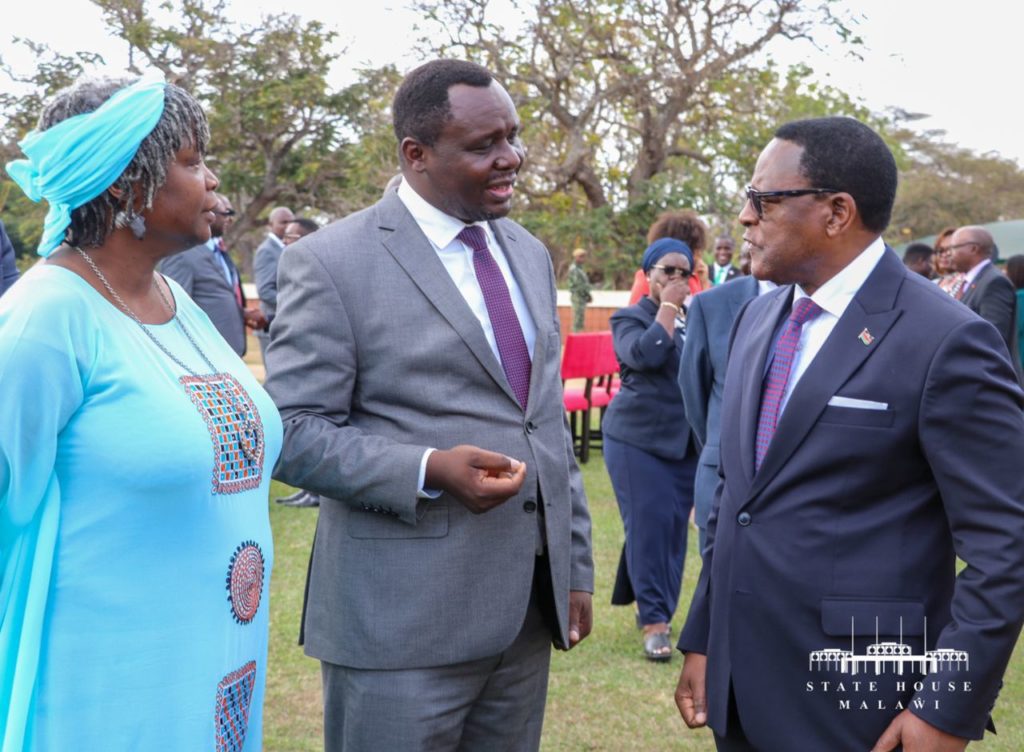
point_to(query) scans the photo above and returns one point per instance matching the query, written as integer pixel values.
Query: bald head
(279, 218)
(970, 246)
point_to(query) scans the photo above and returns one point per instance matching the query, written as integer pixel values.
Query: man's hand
(581, 616)
(480, 479)
(254, 319)
(690, 697)
(916, 736)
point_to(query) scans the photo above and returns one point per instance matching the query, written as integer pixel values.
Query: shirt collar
(765, 285)
(975, 271)
(835, 295)
(441, 229)
(275, 240)
(212, 243)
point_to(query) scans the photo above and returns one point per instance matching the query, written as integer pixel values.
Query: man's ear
(842, 214)
(413, 153)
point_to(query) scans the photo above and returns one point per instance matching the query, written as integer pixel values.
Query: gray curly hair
(183, 123)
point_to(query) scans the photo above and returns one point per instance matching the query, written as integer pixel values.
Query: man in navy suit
(8, 269)
(871, 434)
(702, 376)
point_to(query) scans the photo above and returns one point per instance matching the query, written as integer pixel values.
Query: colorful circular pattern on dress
(245, 581)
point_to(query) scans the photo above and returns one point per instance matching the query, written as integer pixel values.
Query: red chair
(591, 357)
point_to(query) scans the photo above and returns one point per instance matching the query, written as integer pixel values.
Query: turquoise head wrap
(77, 159)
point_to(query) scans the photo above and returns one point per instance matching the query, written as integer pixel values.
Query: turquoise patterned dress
(135, 542)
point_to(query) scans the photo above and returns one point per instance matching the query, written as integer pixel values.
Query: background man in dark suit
(918, 258)
(264, 268)
(8, 269)
(211, 279)
(722, 270)
(871, 434)
(986, 292)
(415, 359)
(702, 376)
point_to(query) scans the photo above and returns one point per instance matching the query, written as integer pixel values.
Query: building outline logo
(880, 654)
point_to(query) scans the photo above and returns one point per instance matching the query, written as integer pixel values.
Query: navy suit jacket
(858, 515)
(991, 296)
(647, 412)
(702, 374)
(8, 269)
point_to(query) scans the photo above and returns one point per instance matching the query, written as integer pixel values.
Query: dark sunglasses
(672, 271)
(225, 213)
(755, 197)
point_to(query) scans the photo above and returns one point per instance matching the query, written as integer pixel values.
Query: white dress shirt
(833, 297)
(221, 262)
(442, 230)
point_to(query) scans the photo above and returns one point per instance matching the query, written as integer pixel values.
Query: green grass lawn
(603, 695)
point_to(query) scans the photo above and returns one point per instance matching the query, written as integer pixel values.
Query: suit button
(530, 426)
(529, 506)
(743, 519)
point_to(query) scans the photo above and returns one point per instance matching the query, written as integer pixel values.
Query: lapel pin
(865, 337)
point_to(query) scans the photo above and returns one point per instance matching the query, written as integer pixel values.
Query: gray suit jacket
(702, 375)
(264, 271)
(203, 279)
(375, 357)
(992, 297)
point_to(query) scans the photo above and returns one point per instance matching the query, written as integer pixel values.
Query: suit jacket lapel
(974, 287)
(405, 241)
(872, 310)
(752, 361)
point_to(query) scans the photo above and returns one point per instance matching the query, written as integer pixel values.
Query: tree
(618, 96)
(280, 132)
(616, 85)
(944, 185)
(279, 129)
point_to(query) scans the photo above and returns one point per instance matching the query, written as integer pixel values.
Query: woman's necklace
(248, 434)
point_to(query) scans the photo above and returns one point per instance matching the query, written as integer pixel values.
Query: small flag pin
(865, 337)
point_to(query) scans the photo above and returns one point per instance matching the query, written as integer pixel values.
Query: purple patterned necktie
(515, 358)
(778, 375)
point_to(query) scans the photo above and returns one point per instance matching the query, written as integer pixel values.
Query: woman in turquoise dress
(135, 450)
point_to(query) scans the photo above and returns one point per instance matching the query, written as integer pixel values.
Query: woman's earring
(138, 226)
(133, 222)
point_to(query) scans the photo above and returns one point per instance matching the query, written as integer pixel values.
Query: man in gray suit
(211, 279)
(415, 360)
(264, 269)
(986, 291)
(709, 320)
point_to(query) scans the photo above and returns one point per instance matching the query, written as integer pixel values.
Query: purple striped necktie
(515, 358)
(804, 310)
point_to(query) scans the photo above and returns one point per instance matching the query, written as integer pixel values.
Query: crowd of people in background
(798, 399)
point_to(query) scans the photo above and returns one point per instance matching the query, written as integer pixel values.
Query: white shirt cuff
(425, 493)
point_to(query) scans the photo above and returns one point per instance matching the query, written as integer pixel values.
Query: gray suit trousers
(493, 704)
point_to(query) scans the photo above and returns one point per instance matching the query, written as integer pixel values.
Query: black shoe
(306, 500)
(288, 500)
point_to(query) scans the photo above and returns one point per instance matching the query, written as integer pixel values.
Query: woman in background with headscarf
(135, 450)
(685, 225)
(647, 446)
